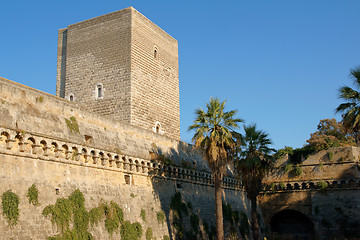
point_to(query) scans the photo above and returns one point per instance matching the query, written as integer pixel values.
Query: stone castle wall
(106, 160)
(96, 51)
(333, 208)
(117, 50)
(155, 80)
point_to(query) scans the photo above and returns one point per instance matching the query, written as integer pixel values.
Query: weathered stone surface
(37, 146)
(117, 50)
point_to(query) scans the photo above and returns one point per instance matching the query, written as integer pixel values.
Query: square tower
(123, 66)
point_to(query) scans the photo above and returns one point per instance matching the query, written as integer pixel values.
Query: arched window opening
(71, 98)
(99, 91)
(157, 128)
(156, 50)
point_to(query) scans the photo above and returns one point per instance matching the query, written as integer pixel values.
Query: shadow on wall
(287, 215)
(186, 194)
(329, 207)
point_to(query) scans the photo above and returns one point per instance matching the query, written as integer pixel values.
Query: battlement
(44, 148)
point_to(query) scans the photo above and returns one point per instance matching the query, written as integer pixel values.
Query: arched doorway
(292, 223)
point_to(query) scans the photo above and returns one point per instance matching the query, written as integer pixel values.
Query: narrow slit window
(157, 128)
(99, 91)
(155, 53)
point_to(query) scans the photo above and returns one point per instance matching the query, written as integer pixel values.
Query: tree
(351, 108)
(214, 135)
(330, 133)
(252, 164)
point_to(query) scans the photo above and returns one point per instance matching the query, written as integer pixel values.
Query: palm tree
(252, 164)
(351, 109)
(214, 136)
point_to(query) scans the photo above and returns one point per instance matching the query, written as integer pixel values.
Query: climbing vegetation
(114, 216)
(10, 207)
(32, 195)
(160, 217)
(143, 215)
(149, 234)
(130, 231)
(70, 212)
(72, 125)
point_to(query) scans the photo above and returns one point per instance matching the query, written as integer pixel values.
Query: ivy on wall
(72, 125)
(130, 231)
(66, 210)
(10, 207)
(114, 216)
(32, 195)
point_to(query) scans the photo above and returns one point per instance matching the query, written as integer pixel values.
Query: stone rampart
(105, 160)
(325, 188)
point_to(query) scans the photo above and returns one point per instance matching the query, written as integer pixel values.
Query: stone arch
(292, 223)
(157, 128)
(99, 91)
(5, 135)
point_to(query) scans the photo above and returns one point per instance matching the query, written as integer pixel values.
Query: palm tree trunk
(218, 208)
(254, 220)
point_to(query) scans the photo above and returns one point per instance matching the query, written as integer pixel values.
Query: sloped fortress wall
(106, 160)
(124, 66)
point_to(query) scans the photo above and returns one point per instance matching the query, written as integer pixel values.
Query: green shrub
(186, 164)
(194, 220)
(322, 185)
(143, 215)
(282, 186)
(149, 234)
(72, 125)
(297, 171)
(298, 153)
(95, 215)
(282, 152)
(114, 216)
(178, 205)
(330, 155)
(160, 216)
(10, 207)
(71, 210)
(288, 167)
(272, 187)
(60, 214)
(227, 212)
(130, 231)
(244, 224)
(32, 195)
(166, 237)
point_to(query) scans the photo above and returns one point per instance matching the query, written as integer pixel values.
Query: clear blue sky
(279, 63)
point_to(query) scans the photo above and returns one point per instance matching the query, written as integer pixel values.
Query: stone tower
(123, 66)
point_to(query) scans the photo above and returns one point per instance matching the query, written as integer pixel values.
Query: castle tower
(124, 66)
